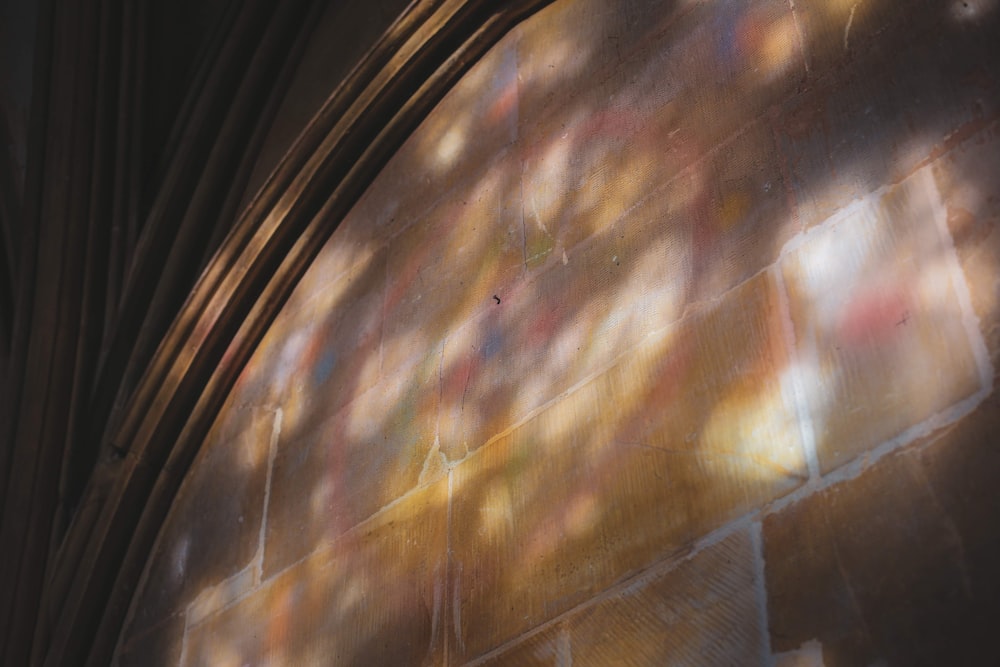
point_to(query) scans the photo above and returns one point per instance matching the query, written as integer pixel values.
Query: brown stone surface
(213, 529)
(265, 381)
(548, 648)
(449, 266)
(571, 321)
(375, 597)
(685, 242)
(879, 329)
(329, 476)
(687, 432)
(453, 148)
(966, 177)
(898, 564)
(644, 98)
(849, 133)
(564, 284)
(334, 359)
(159, 646)
(602, 69)
(704, 611)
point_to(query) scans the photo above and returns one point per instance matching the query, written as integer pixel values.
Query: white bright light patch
(970, 10)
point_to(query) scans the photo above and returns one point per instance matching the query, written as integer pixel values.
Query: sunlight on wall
(652, 278)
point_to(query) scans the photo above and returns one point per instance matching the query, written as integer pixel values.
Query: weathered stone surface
(335, 358)
(690, 430)
(966, 177)
(685, 242)
(809, 654)
(667, 68)
(453, 148)
(332, 475)
(704, 611)
(571, 321)
(375, 597)
(548, 648)
(564, 285)
(159, 646)
(448, 267)
(879, 329)
(898, 564)
(658, 102)
(849, 133)
(266, 380)
(213, 527)
(836, 34)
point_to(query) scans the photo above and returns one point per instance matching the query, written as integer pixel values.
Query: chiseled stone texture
(851, 131)
(453, 148)
(332, 475)
(548, 648)
(333, 357)
(703, 609)
(967, 178)
(689, 431)
(879, 323)
(375, 597)
(451, 263)
(213, 528)
(899, 563)
(648, 269)
(620, 98)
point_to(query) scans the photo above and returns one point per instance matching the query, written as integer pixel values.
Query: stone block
(213, 529)
(632, 122)
(548, 648)
(873, 123)
(880, 331)
(837, 34)
(898, 564)
(331, 476)
(375, 597)
(712, 228)
(703, 611)
(966, 179)
(570, 322)
(692, 429)
(736, 212)
(333, 357)
(266, 379)
(447, 267)
(453, 147)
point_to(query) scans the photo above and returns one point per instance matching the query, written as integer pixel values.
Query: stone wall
(668, 338)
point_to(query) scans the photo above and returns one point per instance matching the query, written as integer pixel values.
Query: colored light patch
(324, 366)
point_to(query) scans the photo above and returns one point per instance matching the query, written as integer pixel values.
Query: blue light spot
(324, 366)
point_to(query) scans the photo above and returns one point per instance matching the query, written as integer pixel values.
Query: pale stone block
(879, 323)
(703, 611)
(374, 597)
(692, 429)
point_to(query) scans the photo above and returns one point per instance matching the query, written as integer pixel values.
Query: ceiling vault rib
(161, 419)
